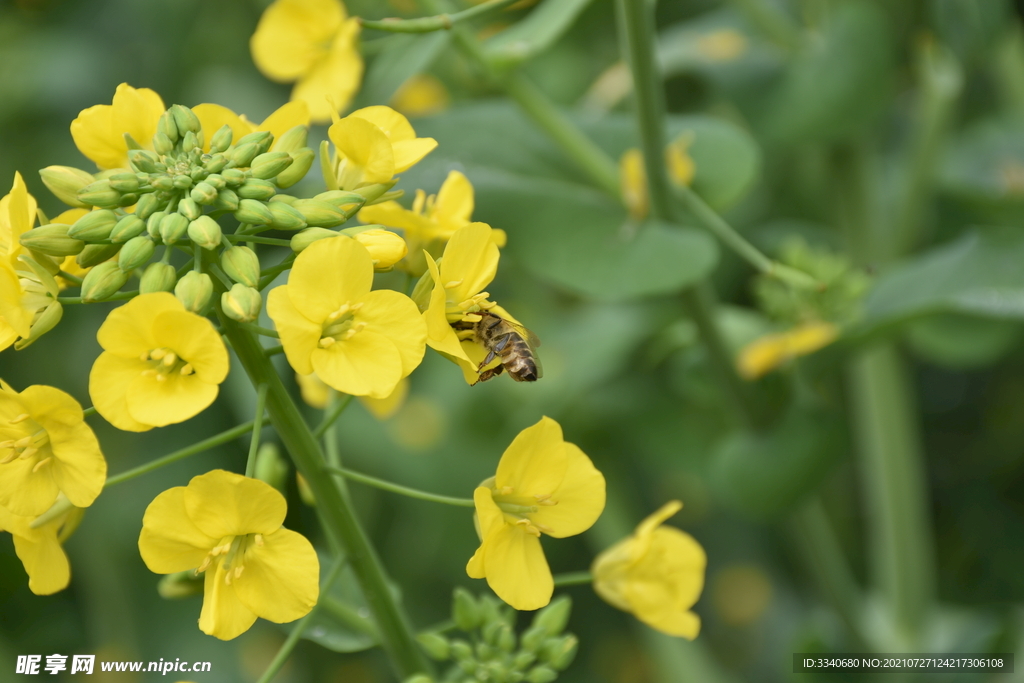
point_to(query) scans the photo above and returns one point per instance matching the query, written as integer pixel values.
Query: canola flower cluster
(204, 184)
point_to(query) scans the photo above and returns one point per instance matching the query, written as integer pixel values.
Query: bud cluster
(496, 654)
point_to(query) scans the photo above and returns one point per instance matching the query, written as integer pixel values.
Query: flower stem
(246, 237)
(120, 296)
(333, 413)
(88, 412)
(270, 273)
(573, 579)
(438, 23)
(399, 489)
(334, 508)
(254, 443)
(262, 331)
(69, 277)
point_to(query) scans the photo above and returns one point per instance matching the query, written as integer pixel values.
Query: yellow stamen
(326, 342)
(144, 356)
(472, 318)
(161, 378)
(23, 442)
(258, 538)
(452, 284)
(29, 452)
(506, 491)
(187, 369)
(39, 465)
(157, 354)
(20, 418)
(170, 359)
(7, 444)
(11, 456)
(238, 570)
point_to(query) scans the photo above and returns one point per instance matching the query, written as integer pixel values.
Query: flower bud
(465, 610)
(263, 139)
(241, 303)
(436, 645)
(234, 176)
(523, 659)
(285, 217)
(99, 194)
(319, 213)
(484, 652)
(165, 125)
(44, 322)
(96, 253)
(180, 585)
(533, 638)
(385, 247)
(559, 652)
(148, 203)
(128, 227)
(305, 493)
(302, 161)
(194, 291)
(286, 198)
(271, 467)
(182, 182)
(303, 239)
(135, 252)
(128, 199)
(270, 164)
(341, 200)
(371, 193)
(185, 119)
(203, 193)
(158, 277)
(217, 180)
(506, 639)
(292, 140)
(190, 141)
(153, 224)
(145, 161)
(419, 678)
(52, 240)
(227, 200)
(241, 265)
(162, 182)
(172, 227)
(255, 188)
(541, 674)
(162, 144)
(216, 163)
(555, 616)
(102, 282)
(189, 208)
(124, 182)
(243, 155)
(94, 226)
(253, 212)
(461, 650)
(65, 182)
(205, 232)
(221, 140)
(490, 632)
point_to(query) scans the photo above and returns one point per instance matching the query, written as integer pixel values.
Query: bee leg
(486, 361)
(501, 344)
(493, 372)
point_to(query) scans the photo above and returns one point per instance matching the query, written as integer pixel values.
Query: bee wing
(525, 333)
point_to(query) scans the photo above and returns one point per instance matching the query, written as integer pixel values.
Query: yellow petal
(471, 258)
(25, 492)
(286, 117)
(365, 150)
(314, 392)
(299, 335)
(174, 399)
(213, 117)
(536, 461)
(579, 498)
(368, 364)
(223, 616)
(11, 309)
(169, 541)
(128, 329)
(109, 380)
(334, 78)
(395, 316)
(675, 623)
(454, 205)
(440, 336)
(383, 408)
(290, 36)
(98, 131)
(195, 340)
(667, 581)
(223, 503)
(17, 216)
(421, 95)
(516, 568)
(408, 149)
(280, 580)
(393, 215)
(40, 552)
(653, 521)
(329, 274)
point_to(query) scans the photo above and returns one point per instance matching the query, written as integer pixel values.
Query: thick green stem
(334, 508)
(399, 489)
(573, 579)
(254, 443)
(441, 22)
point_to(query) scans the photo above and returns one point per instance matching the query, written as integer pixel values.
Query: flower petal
(299, 335)
(579, 498)
(13, 313)
(454, 206)
(536, 461)
(223, 616)
(193, 338)
(170, 401)
(81, 470)
(394, 215)
(280, 581)
(24, 492)
(408, 149)
(40, 552)
(395, 316)
(331, 83)
(366, 151)
(213, 117)
(128, 329)
(286, 117)
(516, 568)
(440, 335)
(683, 624)
(328, 274)
(109, 380)
(169, 541)
(368, 364)
(471, 258)
(98, 131)
(17, 216)
(223, 504)
(287, 42)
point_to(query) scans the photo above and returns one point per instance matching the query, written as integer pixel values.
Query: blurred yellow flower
(681, 167)
(45, 449)
(317, 394)
(213, 117)
(657, 574)
(372, 145)
(723, 45)
(357, 341)
(229, 527)
(421, 95)
(99, 131)
(161, 364)
(763, 355)
(543, 485)
(40, 549)
(741, 594)
(314, 44)
(633, 183)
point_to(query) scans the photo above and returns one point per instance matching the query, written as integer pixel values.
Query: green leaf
(406, 56)
(985, 163)
(963, 342)
(341, 622)
(537, 32)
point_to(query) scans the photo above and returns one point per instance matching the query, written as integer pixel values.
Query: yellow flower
(633, 183)
(657, 574)
(421, 95)
(313, 43)
(681, 167)
(543, 485)
(357, 341)
(229, 526)
(40, 549)
(161, 364)
(372, 145)
(763, 355)
(99, 131)
(17, 216)
(45, 449)
(213, 117)
(317, 394)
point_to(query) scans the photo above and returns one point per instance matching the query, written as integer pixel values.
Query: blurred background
(918, 106)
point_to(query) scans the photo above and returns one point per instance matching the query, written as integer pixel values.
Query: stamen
(546, 529)
(238, 570)
(338, 313)
(12, 456)
(39, 465)
(206, 563)
(187, 369)
(170, 359)
(157, 354)
(20, 418)
(356, 307)
(161, 378)
(472, 318)
(23, 442)
(144, 356)
(29, 452)
(7, 444)
(452, 284)
(326, 342)
(149, 373)
(258, 538)
(506, 491)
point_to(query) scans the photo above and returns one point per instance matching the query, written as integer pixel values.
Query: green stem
(246, 237)
(333, 413)
(262, 331)
(69, 277)
(254, 443)
(274, 350)
(296, 633)
(334, 509)
(89, 412)
(399, 489)
(204, 445)
(438, 23)
(573, 579)
(270, 273)
(120, 296)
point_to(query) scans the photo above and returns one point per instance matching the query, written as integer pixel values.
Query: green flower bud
(180, 585)
(490, 632)
(94, 254)
(185, 119)
(253, 212)
(465, 610)
(559, 652)
(203, 193)
(373, 192)
(301, 240)
(555, 616)
(302, 161)
(318, 213)
(436, 646)
(128, 199)
(243, 155)
(52, 240)
(292, 140)
(285, 217)
(217, 180)
(506, 639)
(255, 188)
(215, 163)
(94, 226)
(341, 200)
(484, 652)
(182, 182)
(153, 224)
(419, 678)
(135, 252)
(205, 232)
(44, 322)
(523, 659)
(173, 227)
(158, 277)
(262, 138)
(148, 203)
(124, 182)
(162, 144)
(165, 125)
(128, 227)
(99, 194)
(145, 161)
(286, 198)
(162, 182)
(190, 141)
(65, 182)
(234, 177)
(241, 303)
(221, 140)
(387, 197)
(541, 674)
(533, 638)
(189, 208)
(130, 142)
(194, 291)
(270, 164)
(241, 265)
(227, 199)
(102, 282)
(461, 650)
(271, 467)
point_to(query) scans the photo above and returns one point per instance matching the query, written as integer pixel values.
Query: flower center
(465, 311)
(231, 551)
(34, 438)
(164, 362)
(341, 325)
(518, 508)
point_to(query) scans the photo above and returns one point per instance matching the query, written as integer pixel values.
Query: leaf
(961, 342)
(342, 623)
(406, 56)
(537, 32)
(985, 163)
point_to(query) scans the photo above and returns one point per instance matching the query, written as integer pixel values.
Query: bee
(509, 341)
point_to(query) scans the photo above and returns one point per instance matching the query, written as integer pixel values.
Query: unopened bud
(241, 264)
(221, 140)
(145, 161)
(270, 164)
(506, 639)
(286, 198)
(555, 616)
(301, 240)
(162, 182)
(136, 252)
(292, 140)
(372, 193)
(255, 188)
(217, 180)
(128, 199)
(234, 176)
(94, 226)
(189, 208)
(185, 119)
(165, 125)
(216, 163)
(302, 161)
(241, 303)
(203, 193)
(52, 240)
(162, 144)
(153, 224)
(243, 155)
(465, 610)
(419, 678)
(262, 138)
(341, 200)
(541, 674)
(65, 182)
(124, 182)
(180, 585)
(385, 247)
(436, 645)
(319, 213)
(253, 212)
(559, 652)
(523, 659)
(227, 200)
(285, 217)
(461, 650)
(190, 141)
(99, 194)
(94, 254)
(271, 467)
(102, 282)
(44, 322)
(126, 228)
(148, 203)
(173, 227)
(205, 232)
(182, 182)
(533, 638)
(194, 291)
(159, 277)
(305, 493)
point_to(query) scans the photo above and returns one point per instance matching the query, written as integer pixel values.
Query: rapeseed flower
(99, 131)
(357, 341)
(767, 353)
(213, 117)
(657, 574)
(314, 44)
(230, 527)
(372, 145)
(161, 364)
(421, 95)
(543, 485)
(45, 449)
(40, 549)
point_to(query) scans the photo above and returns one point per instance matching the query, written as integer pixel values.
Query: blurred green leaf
(528, 37)
(962, 342)
(406, 56)
(985, 163)
(969, 27)
(342, 622)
